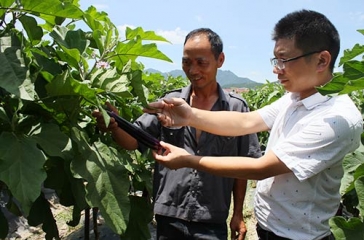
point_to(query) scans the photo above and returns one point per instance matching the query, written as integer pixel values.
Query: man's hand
(237, 228)
(171, 156)
(100, 122)
(170, 112)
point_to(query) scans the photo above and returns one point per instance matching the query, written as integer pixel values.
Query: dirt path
(249, 212)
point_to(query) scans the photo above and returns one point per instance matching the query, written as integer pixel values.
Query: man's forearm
(239, 192)
(237, 167)
(227, 123)
(124, 140)
(234, 167)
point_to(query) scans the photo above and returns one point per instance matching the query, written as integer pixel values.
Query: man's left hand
(237, 228)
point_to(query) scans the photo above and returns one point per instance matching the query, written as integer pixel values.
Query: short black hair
(311, 31)
(214, 39)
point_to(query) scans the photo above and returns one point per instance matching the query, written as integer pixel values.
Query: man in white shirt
(299, 175)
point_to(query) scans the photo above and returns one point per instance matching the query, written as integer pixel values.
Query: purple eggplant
(136, 132)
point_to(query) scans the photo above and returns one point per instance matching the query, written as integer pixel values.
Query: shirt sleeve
(270, 112)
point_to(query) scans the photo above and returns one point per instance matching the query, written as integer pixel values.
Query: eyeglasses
(279, 63)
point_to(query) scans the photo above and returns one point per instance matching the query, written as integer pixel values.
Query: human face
(298, 76)
(199, 63)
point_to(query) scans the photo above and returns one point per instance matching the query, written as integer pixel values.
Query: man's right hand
(171, 112)
(171, 156)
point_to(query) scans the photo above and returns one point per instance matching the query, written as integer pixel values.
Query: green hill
(225, 78)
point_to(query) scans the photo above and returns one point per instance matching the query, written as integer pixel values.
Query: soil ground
(19, 229)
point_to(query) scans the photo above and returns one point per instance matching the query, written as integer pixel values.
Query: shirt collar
(185, 93)
(310, 102)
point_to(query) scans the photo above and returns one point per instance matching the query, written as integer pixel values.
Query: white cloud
(361, 17)
(357, 16)
(232, 47)
(122, 28)
(176, 36)
(199, 18)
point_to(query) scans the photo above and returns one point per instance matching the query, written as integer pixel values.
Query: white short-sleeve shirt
(311, 137)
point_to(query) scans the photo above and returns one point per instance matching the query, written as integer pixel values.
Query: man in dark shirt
(190, 204)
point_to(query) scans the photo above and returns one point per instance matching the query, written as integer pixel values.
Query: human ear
(221, 59)
(324, 60)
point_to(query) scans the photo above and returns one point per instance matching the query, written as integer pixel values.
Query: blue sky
(244, 26)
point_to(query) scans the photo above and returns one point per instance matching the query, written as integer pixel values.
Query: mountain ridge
(226, 78)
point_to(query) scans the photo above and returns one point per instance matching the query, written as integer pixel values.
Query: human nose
(193, 69)
(277, 70)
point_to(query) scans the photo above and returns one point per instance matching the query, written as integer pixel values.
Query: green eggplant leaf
(21, 168)
(107, 181)
(350, 163)
(353, 70)
(334, 86)
(70, 39)
(135, 48)
(359, 186)
(344, 229)
(148, 35)
(111, 81)
(51, 140)
(4, 4)
(30, 25)
(14, 74)
(349, 54)
(141, 215)
(138, 87)
(57, 8)
(65, 85)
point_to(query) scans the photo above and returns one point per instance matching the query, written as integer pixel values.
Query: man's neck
(204, 98)
(205, 92)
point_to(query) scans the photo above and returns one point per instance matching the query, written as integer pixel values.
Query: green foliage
(350, 81)
(347, 229)
(53, 75)
(160, 85)
(352, 78)
(263, 95)
(260, 97)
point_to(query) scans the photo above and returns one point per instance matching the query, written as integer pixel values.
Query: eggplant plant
(58, 64)
(350, 222)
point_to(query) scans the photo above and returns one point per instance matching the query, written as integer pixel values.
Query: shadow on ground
(105, 233)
